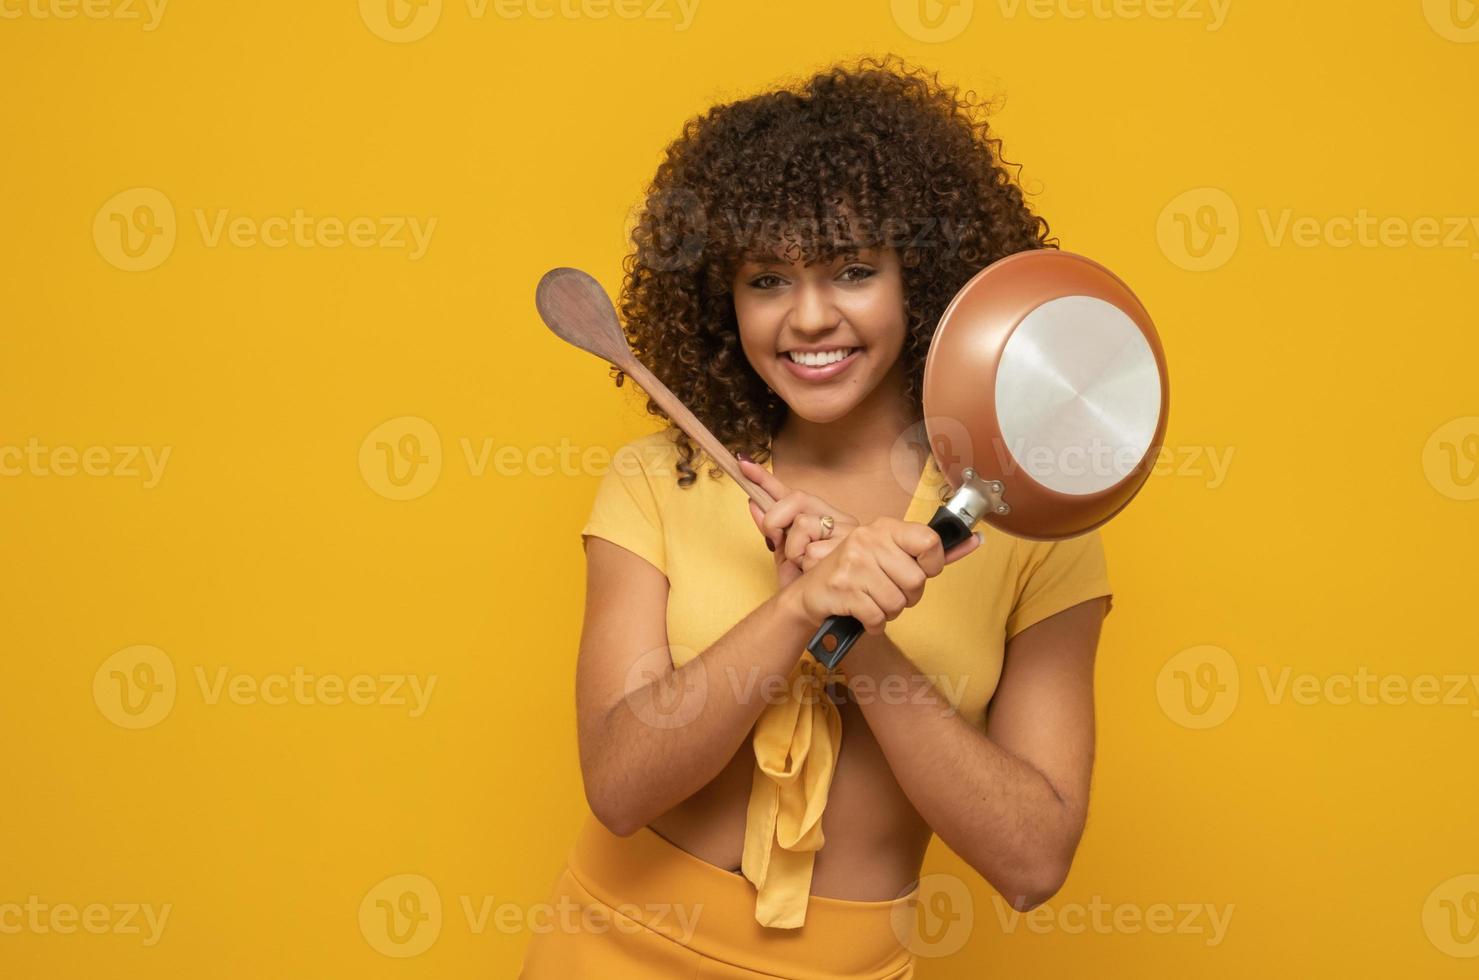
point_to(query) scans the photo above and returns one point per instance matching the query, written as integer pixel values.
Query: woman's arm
(1011, 801)
(651, 735)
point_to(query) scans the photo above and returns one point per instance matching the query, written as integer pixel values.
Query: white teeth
(821, 358)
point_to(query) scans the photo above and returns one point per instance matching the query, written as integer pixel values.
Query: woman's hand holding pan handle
(877, 572)
(872, 572)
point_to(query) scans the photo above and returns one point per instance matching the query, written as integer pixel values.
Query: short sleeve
(625, 511)
(1055, 575)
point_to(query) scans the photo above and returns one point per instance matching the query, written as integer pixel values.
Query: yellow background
(1340, 537)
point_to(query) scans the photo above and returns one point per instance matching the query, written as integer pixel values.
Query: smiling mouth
(819, 365)
(821, 358)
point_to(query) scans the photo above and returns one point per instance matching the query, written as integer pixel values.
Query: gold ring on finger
(827, 524)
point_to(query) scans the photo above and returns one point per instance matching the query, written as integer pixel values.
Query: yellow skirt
(643, 907)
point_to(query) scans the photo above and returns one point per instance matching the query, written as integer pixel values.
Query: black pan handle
(838, 633)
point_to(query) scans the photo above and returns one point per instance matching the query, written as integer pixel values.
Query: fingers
(867, 612)
(785, 525)
(802, 510)
(804, 531)
(924, 544)
(921, 542)
(905, 575)
(884, 591)
(816, 551)
(766, 480)
(781, 516)
(788, 502)
(758, 517)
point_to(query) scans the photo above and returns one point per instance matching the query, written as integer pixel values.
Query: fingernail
(745, 457)
(978, 537)
(769, 544)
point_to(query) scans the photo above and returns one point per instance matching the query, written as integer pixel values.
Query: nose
(814, 313)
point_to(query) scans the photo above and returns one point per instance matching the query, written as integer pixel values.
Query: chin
(821, 408)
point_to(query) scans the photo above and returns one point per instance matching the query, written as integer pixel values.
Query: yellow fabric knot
(796, 743)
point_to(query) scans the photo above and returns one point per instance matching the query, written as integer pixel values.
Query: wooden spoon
(578, 311)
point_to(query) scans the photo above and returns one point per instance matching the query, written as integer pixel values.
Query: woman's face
(822, 336)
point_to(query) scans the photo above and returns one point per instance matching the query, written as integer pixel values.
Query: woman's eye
(763, 282)
(864, 271)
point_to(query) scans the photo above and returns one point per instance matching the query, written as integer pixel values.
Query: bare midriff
(875, 839)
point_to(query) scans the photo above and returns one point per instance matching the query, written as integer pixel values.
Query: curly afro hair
(878, 153)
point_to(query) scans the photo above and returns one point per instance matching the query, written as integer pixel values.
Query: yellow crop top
(718, 569)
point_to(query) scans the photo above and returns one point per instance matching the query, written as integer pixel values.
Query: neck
(855, 442)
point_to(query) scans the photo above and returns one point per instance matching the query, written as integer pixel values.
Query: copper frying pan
(1045, 401)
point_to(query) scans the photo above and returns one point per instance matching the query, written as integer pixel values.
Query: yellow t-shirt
(718, 569)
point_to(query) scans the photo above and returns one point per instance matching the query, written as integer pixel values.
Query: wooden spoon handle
(696, 430)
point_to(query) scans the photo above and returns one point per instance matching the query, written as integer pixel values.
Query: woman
(794, 255)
